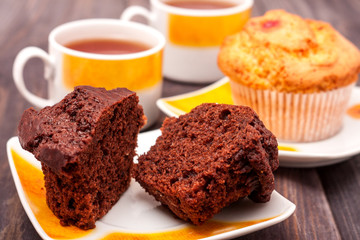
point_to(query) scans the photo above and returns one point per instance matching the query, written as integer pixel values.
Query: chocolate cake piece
(208, 159)
(86, 144)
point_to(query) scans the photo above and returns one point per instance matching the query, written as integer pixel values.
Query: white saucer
(336, 149)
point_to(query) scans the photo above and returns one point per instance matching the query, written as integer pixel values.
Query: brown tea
(107, 46)
(206, 5)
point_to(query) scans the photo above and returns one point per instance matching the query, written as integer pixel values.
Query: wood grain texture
(341, 184)
(327, 198)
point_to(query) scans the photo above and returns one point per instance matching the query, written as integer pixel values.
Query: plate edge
(20, 191)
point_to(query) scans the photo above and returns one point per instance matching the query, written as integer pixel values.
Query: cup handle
(132, 11)
(23, 56)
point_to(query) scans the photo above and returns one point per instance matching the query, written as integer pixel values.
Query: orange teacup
(105, 53)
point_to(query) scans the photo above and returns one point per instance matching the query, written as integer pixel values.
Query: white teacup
(65, 67)
(193, 35)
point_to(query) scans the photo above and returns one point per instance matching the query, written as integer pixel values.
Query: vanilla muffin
(296, 73)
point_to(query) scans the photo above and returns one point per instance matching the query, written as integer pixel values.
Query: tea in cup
(194, 31)
(107, 53)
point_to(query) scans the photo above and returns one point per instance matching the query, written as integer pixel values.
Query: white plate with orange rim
(333, 150)
(137, 215)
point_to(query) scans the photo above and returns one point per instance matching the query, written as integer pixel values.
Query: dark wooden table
(327, 198)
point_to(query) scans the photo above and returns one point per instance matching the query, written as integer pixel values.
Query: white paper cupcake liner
(296, 117)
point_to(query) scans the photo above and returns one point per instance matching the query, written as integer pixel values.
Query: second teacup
(194, 30)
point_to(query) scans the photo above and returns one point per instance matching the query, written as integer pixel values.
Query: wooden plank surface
(327, 198)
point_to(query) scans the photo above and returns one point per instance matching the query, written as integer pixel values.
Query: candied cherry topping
(270, 24)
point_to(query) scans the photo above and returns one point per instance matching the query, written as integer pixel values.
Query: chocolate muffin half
(86, 144)
(209, 158)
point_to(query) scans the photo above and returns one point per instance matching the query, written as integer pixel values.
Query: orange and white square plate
(137, 215)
